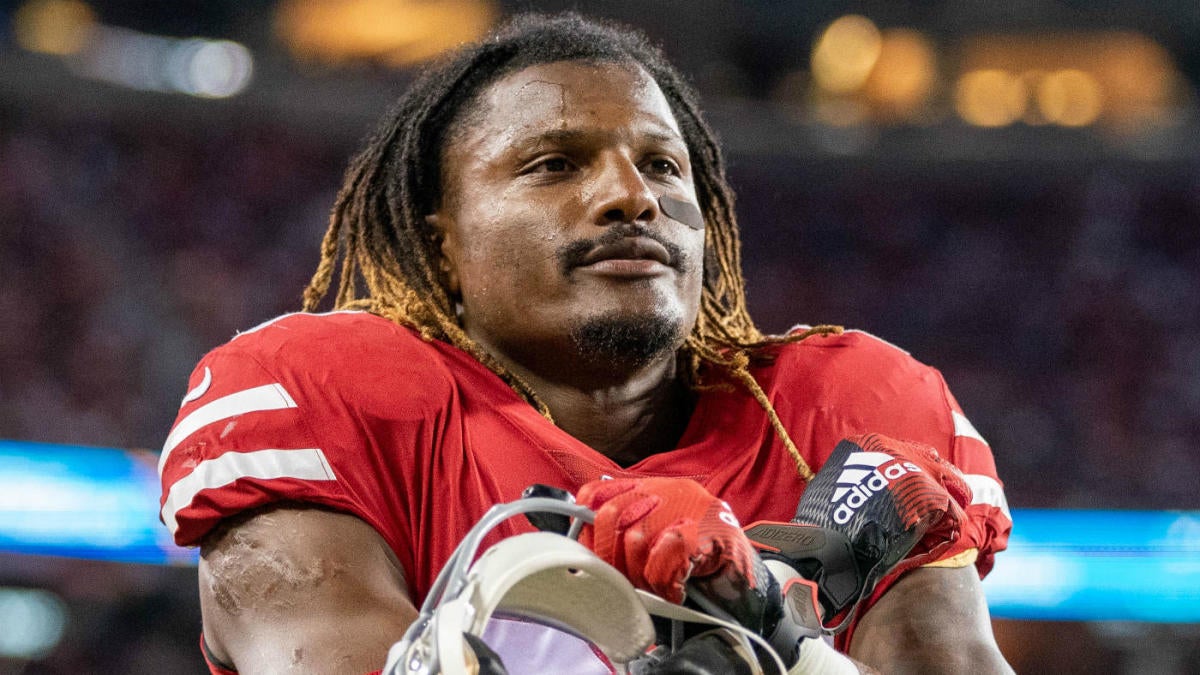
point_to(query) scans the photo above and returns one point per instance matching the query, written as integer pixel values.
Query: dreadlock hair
(379, 237)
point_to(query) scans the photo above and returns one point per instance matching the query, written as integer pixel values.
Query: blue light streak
(102, 504)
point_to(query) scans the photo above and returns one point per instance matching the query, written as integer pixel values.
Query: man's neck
(626, 418)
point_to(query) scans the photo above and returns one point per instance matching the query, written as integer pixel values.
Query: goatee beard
(629, 341)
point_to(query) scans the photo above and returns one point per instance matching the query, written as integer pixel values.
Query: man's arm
(300, 589)
(933, 620)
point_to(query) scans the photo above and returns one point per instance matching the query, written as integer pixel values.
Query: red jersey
(419, 439)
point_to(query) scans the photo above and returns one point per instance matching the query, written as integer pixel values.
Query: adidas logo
(862, 477)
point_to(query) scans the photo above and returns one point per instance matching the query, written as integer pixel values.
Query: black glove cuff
(818, 554)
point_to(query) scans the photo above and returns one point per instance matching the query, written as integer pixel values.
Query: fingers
(686, 550)
(730, 543)
(924, 456)
(671, 560)
(660, 531)
(614, 536)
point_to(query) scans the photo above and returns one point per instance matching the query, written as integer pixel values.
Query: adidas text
(852, 497)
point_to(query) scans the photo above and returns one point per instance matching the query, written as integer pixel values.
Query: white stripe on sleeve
(269, 322)
(303, 464)
(199, 390)
(964, 428)
(985, 490)
(267, 397)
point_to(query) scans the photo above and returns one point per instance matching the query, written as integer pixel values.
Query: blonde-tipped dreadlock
(379, 237)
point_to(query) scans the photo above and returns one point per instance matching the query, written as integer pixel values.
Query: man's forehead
(565, 94)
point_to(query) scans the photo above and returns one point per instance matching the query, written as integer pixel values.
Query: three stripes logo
(864, 474)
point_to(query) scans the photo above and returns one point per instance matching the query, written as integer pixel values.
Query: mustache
(573, 255)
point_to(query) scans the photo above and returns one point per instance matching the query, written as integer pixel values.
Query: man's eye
(663, 167)
(552, 165)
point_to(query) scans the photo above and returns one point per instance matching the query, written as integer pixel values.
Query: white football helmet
(547, 579)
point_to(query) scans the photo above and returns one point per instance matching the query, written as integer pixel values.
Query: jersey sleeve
(989, 521)
(862, 384)
(918, 406)
(281, 416)
(241, 440)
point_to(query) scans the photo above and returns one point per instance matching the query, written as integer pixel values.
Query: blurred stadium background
(1011, 191)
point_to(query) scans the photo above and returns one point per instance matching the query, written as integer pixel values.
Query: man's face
(554, 237)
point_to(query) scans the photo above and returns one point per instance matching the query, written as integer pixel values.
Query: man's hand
(665, 532)
(877, 506)
(897, 497)
(659, 532)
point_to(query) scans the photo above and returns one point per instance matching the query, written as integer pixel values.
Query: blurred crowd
(128, 249)
(1062, 303)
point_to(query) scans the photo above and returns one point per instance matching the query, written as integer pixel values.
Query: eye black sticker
(685, 212)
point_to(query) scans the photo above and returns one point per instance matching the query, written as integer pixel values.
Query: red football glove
(934, 499)
(895, 498)
(659, 532)
(878, 506)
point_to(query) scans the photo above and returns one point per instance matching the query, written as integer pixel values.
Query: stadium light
(58, 27)
(862, 73)
(990, 98)
(198, 67)
(194, 66)
(1070, 97)
(1124, 80)
(396, 32)
(903, 78)
(34, 621)
(844, 54)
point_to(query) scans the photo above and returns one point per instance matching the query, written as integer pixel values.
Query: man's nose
(623, 195)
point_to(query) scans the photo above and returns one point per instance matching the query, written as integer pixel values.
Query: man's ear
(447, 262)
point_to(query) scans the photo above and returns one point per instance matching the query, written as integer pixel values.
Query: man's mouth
(629, 249)
(622, 253)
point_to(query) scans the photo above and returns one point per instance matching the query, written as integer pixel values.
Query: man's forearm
(931, 621)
